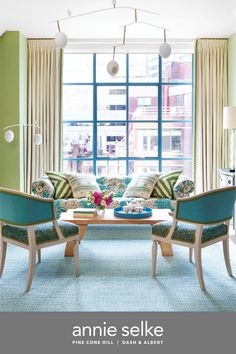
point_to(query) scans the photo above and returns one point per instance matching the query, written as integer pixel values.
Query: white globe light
(38, 139)
(61, 40)
(112, 67)
(9, 136)
(165, 50)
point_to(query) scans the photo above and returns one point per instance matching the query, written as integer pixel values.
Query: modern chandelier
(61, 39)
(9, 134)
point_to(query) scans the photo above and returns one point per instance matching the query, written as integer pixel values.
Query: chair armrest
(183, 187)
(43, 188)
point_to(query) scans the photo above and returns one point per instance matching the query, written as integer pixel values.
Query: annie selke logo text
(104, 333)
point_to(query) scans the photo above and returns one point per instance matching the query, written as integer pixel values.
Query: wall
(13, 107)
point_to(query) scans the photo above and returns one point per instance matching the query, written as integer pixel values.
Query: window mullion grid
(160, 122)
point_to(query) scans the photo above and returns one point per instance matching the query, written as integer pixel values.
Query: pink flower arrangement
(100, 199)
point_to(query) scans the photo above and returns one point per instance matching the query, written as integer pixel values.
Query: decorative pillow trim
(61, 184)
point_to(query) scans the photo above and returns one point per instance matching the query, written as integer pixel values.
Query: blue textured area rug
(115, 267)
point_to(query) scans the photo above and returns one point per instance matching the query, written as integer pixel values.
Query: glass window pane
(77, 102)
(111, 140)
(171, 165)
(77, 68)
(111, 103)
(101, 64)
(111, 106)
(143, 68)
(177, 68)
(111, 168)
(143, 140)
(143, 103)
(176, 102)
(147, 166)
(78, 166)
(177, 139)
(77, 140)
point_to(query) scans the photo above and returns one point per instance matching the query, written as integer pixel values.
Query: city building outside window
(139, 121)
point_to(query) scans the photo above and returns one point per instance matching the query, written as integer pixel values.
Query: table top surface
(109, 218)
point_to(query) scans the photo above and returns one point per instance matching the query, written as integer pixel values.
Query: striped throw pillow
(141, 186)
(165, 184)
(81, 184)
(61, 184)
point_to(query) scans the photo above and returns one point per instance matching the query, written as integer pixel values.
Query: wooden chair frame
(197, 245)
(32, 246)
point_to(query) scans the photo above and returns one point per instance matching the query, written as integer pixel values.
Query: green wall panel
(13, 96)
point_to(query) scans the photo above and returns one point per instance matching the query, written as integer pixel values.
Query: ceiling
(183, 18)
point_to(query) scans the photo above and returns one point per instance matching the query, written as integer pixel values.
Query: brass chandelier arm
(124, 35)
(135, 15)
(145, 23)
(58, 26)
(105, 10)
(114, 52)
(61, 39)
(23, 125)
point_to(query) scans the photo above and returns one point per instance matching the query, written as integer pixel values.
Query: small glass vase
(100, 210)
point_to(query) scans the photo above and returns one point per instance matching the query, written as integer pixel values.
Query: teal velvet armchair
(199, 221)
(29, 222)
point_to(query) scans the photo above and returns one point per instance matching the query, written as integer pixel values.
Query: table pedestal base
(70, 245)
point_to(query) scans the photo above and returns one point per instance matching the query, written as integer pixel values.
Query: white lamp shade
(37, 139)
(112, 67)
(9, 136)
(229, 118)
(165, 50)
(61, 40)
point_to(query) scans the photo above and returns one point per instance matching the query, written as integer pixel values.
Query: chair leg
(154, 257)
(3, 252)
(39, 256)
(76, 258)
(226, 256)
(198, 261)
(191, 255)
(32, 259)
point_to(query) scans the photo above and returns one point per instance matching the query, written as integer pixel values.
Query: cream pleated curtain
(211, 140)
(44, 89)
